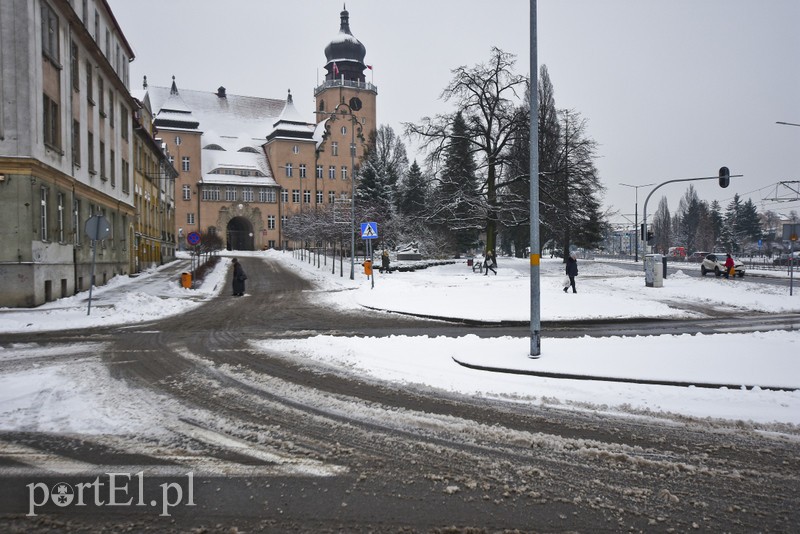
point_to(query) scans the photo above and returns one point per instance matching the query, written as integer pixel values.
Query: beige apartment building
(246, 164)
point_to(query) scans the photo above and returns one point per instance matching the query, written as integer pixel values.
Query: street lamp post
(636, 220)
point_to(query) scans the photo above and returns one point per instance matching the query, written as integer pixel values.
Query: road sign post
(369, 231)
(97, 228)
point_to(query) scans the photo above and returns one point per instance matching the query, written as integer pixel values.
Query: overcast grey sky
(670, 88)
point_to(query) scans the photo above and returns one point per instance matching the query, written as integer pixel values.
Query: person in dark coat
(238, 278)
(385, 261)
(490, 262)
(572, 272)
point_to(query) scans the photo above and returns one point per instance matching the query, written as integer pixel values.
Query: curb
(568, 376)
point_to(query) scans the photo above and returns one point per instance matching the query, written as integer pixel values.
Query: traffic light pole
(723, 177)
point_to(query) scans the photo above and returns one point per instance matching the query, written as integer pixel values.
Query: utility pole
(636, 220)
(535, 346)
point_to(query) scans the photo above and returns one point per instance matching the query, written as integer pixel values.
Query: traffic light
(724, 177)
(646, 235)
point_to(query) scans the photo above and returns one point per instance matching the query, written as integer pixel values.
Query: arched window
(213, 146)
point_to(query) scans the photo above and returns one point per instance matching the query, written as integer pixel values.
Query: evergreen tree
(717, 222)
(413, 193)
(457, 205)
(732, 235)
(749, 222)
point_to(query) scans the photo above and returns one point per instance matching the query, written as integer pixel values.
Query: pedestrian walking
(239, 277)
(385, 261)
(572, 272)
(490, 262)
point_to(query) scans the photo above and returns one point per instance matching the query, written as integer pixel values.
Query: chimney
(221, 92)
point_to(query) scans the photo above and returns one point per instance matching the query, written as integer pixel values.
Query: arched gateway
(239, 234)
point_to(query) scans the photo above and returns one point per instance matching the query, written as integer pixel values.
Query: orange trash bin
(367, 267)
(186, 280)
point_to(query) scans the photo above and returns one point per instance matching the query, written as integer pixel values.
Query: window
(50, 33)
(113, 164)
(230, 193)
(185, 163)
(296, 196)
(211, 192)
(288, 170)
(306, 197)
(178, 141)
(74, 70)
(344, 172)
(126, 177)
(102, 161)
(187, 192)
(76, 143)
(331, 197)
(319, 171)
(334, 148)
(270, 222)
(319, 197)
(284, 195)
(76, 217)
(353, 149)
(247, 194)
(100, 93)
(90, 151)
(123, 120)
(266, 195)
(332, 172)
(43, 214)
(190, 218)
(295, 149)
(344, 130)
(244, 173)
(60, 217)
(108, 45)
(111, 107)
(96, 25)
(89, 83)
(302, 171)
(51, 126)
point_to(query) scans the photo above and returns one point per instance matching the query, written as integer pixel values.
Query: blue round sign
(193, 238)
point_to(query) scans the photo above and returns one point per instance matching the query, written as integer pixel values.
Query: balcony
(365, 86)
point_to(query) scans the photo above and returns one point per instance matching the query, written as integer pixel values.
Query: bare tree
(488, 96)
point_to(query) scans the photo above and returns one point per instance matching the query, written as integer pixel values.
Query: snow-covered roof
(229, 115)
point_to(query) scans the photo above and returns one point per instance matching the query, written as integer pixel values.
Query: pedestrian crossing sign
(369, 230)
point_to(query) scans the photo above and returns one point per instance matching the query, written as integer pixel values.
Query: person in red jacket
(729, 263)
